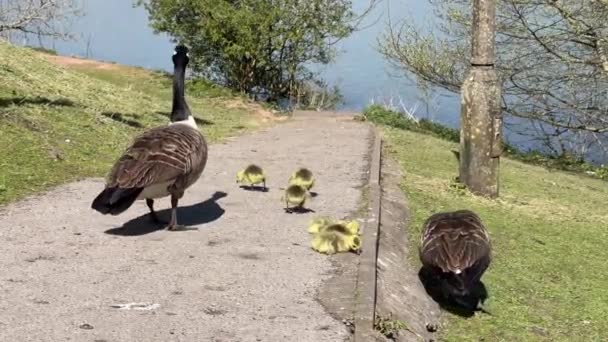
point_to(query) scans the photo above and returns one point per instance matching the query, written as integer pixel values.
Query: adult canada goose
(455, 247)
(163, 161)
(251, 175)
(302, 177)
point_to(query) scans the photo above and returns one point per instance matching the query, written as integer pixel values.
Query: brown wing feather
(159, 155)
(454, 241)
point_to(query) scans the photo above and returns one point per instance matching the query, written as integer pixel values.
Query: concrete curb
(400, 293)
(365, 296)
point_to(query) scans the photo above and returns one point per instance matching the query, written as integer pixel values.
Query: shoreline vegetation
(383, 116)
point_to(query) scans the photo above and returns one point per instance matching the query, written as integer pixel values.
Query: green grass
(566, 162)
(389, 327)
(548, 280)
(62, 123)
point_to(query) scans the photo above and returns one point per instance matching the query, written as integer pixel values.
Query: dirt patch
(265, 115)
(75, 61)
(400, 295)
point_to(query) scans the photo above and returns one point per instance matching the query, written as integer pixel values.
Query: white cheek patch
(174, 53)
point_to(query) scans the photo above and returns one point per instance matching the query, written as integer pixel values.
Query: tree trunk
(480, 118)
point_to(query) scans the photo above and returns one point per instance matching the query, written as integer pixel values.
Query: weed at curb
(389, 327)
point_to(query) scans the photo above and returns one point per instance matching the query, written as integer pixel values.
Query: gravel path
(246, 274)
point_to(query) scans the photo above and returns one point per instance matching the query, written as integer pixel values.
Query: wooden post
(481, 117)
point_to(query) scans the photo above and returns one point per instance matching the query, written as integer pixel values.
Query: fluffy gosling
(251, 175)
(302, 177)
(295, 197)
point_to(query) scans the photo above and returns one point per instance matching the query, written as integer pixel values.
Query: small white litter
(136, 306)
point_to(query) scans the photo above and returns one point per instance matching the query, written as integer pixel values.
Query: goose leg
(153, 216)
(173, 226)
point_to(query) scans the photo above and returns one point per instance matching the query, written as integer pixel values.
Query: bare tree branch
(552, 58)
(41, 17)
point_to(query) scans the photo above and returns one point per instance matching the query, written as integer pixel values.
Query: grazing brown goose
(163, 161)
(456, 247)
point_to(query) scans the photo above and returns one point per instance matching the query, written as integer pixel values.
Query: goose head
(181, 56)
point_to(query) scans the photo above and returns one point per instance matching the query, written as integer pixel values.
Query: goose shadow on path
(464, 307)
(200, 213)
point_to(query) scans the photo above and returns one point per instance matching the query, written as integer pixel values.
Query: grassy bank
(548, 278)
(380, 115)
(62, 118)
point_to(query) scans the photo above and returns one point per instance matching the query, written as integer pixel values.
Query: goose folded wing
(451, 251)
(151, 159)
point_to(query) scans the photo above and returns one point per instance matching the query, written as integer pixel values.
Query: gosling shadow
(463, 306)
(298, 210)
(254, 188)
(196, 214)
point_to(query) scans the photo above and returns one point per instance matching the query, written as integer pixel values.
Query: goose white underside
(155, 191)
(189, 122)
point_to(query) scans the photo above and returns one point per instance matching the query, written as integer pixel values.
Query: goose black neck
(180, 110)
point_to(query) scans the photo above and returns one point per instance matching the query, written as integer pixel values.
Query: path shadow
(200, 213)
(120, 117)
(21, 100)
(457, 305)
(198, 121)
(254, 188)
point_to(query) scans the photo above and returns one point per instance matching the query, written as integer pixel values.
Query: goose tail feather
(115, 200)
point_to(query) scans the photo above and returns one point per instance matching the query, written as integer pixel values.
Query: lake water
(113, 30)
